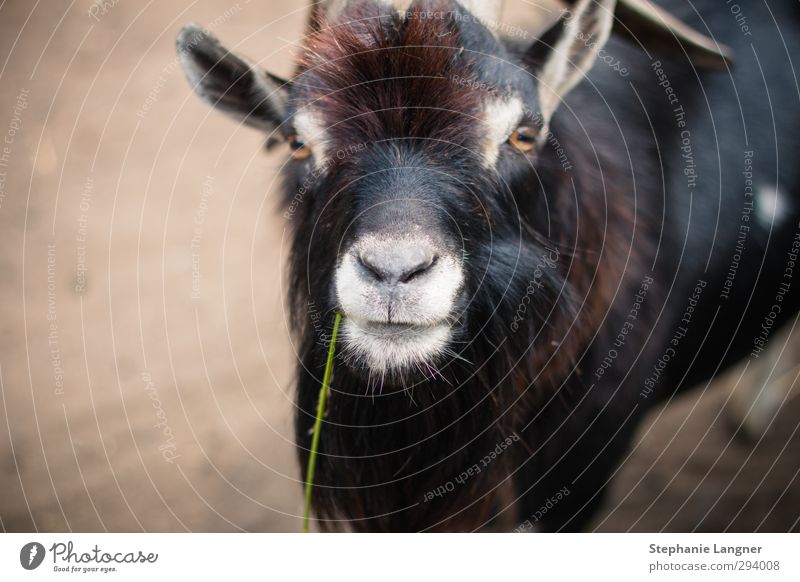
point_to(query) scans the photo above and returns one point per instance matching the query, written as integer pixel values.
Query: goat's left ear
(566, 52)
(229, 83)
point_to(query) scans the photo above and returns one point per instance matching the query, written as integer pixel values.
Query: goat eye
(523, 138)
(300, 151)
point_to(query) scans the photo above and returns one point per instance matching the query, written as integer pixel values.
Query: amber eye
(300, 151)
(523, 138)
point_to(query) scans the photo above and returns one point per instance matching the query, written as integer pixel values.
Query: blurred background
(145, 363)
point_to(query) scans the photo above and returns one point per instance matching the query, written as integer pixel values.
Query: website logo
(31, 555)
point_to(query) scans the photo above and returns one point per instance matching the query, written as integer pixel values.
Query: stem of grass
(323, 398)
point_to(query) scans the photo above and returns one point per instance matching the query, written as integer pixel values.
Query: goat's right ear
(229, 83)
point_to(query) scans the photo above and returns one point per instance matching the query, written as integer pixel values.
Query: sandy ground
(145, 365)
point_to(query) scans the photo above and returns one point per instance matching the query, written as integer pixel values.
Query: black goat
(530, 247)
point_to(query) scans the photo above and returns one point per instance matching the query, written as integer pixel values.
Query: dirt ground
(145, 364)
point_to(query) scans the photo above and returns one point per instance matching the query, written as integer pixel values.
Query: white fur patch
(501, 117)
(193, 71)
(771, 205)
(487, 11)
(400, 5)
(393, 349)
(332, 8)
(426, 301)
(311, 130)
(419, 308)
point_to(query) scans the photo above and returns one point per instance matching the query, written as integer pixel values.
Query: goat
(530, 248)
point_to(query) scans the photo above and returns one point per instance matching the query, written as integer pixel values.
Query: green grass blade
(323, 398)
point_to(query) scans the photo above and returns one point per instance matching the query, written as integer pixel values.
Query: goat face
(414, 139)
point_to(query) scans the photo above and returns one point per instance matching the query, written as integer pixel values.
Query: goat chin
(392, 349)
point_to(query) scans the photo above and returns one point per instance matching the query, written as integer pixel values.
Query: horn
(657, 30)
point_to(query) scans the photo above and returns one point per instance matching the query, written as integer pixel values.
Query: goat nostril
(367, 261)
(399, 265)
(419, 269)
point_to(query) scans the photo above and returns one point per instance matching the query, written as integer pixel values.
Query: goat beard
(435, 456)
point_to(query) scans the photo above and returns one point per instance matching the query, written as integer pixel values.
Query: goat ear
(229, 83)
(566, 52)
